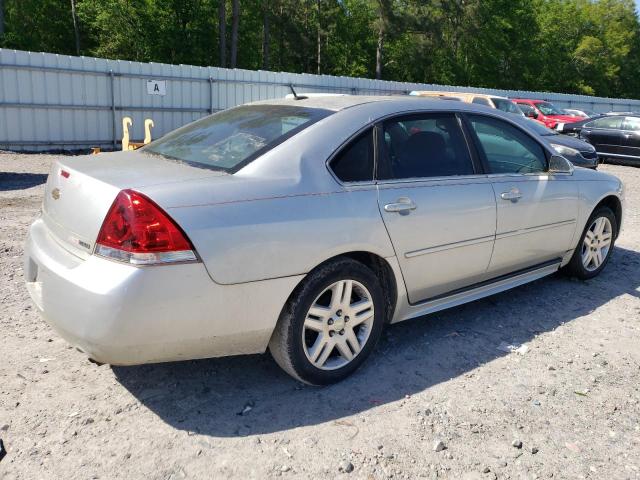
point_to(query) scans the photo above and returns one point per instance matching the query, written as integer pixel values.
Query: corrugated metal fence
(52, 101)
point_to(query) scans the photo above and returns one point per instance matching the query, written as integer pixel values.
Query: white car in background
(304, 226)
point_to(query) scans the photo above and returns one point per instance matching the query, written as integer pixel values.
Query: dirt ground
(572, 399)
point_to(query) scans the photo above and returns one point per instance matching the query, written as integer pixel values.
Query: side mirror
(559, 164)
(532, 114)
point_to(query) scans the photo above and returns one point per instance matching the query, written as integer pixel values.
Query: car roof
(531, 100)
(342, 102)
(442, 93)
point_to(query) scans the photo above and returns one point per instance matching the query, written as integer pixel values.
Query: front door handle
(403, 206)
(514, 195)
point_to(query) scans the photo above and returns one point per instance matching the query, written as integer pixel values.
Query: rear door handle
(514, 195)
(402, 205)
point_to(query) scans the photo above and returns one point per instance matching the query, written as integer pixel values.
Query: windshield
(231, 139)
(506, 106)
(539, 128)
(548, 108)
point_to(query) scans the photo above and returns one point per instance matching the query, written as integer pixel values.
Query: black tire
(576, 267)
(286, 344)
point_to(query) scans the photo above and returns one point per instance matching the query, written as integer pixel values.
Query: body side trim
(482, 290)
(449, 246)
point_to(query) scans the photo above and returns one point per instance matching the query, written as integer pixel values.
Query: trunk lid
(80, 191)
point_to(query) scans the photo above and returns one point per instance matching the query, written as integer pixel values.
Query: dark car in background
(573, 129)
(615, 137)
(577, 151)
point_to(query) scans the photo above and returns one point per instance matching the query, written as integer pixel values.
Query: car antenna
(295, 95)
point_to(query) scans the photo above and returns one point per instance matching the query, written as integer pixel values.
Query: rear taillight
(137, 231)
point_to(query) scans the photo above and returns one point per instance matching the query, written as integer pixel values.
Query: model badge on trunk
(55, 193)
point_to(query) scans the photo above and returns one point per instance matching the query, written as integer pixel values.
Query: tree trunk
(319, 41)
(235, 20)
(76, 31)
(222, 31)
(280, 30)
(266, 36)
(1, 18)
(379, 52)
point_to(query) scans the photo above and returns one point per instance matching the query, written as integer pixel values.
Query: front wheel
(330, 324)
(595, 246)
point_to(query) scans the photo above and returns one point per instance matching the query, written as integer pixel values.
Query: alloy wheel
(596, 243)
(338, 325)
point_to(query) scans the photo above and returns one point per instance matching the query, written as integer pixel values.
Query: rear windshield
(231, 139)
(548, 108)
(507, 106)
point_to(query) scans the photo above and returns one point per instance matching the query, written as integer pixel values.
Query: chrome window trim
(446, 179)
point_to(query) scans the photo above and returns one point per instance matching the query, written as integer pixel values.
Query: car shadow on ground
(208, 396)
(20, 181)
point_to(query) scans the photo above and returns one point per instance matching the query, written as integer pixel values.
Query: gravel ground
(567, 408)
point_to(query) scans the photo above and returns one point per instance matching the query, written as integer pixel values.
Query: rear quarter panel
(253, 240)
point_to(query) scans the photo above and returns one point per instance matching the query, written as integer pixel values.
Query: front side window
(422, 146)
(354, 163)
(606, 122)
(506, 148)
(230, 139)
(548, 108)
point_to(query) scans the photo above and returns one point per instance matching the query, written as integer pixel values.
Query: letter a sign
(156, 87)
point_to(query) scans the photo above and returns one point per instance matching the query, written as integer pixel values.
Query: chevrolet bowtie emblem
(55, 193)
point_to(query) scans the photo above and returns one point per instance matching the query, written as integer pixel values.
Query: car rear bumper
(125, 315)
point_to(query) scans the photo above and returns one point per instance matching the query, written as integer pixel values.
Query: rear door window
(423, 146)
(231, 139)
(507, 149)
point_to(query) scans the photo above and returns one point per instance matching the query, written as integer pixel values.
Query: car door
(605, 134)
(536, 211)
(438, 208)
(630, 137)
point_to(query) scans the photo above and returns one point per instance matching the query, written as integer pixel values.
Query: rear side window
(422, 146)
(481, 101)
(354, 163)
(230, 139)
(506, 148)
(631, 124)
(606, 122)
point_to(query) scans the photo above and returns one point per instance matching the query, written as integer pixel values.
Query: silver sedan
(303, 226)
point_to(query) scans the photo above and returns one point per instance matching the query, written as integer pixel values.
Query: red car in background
(544, 112)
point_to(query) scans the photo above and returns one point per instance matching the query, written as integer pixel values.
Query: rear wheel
(595, 246)
(331, 323)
